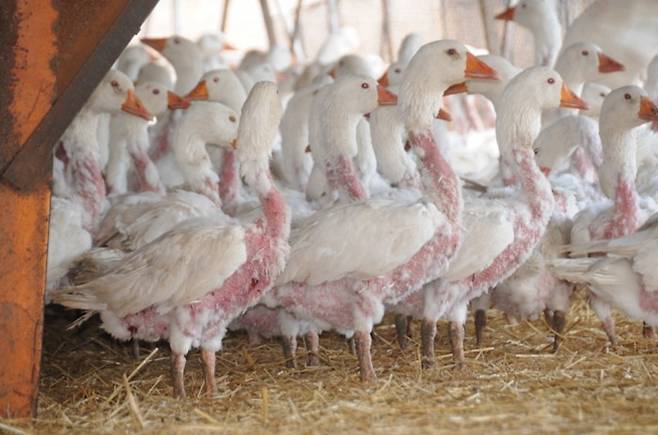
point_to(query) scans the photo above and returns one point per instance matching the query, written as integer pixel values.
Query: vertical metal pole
(269, 24)
(222, 27)
(333, 20)
(386, 44)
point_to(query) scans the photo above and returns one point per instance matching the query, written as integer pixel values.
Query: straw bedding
(91, 383)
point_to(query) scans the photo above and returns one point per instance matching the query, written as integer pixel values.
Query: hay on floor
(91, 383)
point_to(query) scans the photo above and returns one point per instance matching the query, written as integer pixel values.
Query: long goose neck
(548, 40)
(192, 157)
(618, 180)
(534, 185)
(439, 182)
(342, 177)
(276, 211)
(229, 179)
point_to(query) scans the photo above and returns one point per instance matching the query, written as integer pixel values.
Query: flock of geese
(231, 212)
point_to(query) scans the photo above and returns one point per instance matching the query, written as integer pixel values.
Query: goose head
(360, 94)
(594, 94)
(116, 93)
(528, 94)
(584, 61)
(176, 49)
(491, 89)
(626, 108)
(352, 64)
(158, 73)
(157, 98)
(408, 47)
(211, 44)
(531, 14)
(392, 76)
(259, 124)
(220, 86)
(434, 68)
(132, 59)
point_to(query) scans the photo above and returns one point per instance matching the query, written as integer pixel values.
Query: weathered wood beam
(54, 54)
(85, 52)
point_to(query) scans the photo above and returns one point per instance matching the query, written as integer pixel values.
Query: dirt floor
(513, 384)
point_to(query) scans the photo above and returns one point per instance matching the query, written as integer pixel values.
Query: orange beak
(507, 15)
(459, 88)
(332, 73)
(155, 43)
(234, 143)
(608, 64)
(386, 98)
(134, 106)
(200, 92)
(444, 115)
(570, 100)
(383, 80)
(648, 110)
(476, 69)
(229, 46)
(176, 102)
(546, 171)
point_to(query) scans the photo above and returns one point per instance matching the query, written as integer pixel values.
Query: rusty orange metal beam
(54, 53)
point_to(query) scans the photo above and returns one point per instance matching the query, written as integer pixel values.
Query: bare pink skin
(582, 163)
(203, 323)
(528, 230)
(162, 142)
(342, 177)
(228, 178)
(210, 189)
(88, 185)
(626, 218)
(143, 168)
(259, 320)
(348, 304)
(649, 300)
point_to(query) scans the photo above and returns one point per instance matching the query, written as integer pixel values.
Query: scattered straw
(91, 384)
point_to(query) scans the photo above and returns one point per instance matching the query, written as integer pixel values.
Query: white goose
(189, 284)
(129, 137)
(333, 281)
(78, 149)
(499, 234)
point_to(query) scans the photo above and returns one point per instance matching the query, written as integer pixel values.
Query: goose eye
(216, 79)
(451, 52)
(551, 81)
(523, 5)
(585, 53)
(536, 151)
(231, 118)
(397, 70)
(365, 85)
(627, 96)
(156, 91)
(114, 83)
(602, 95)
(176, 40)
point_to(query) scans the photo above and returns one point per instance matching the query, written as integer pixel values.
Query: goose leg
(401, 328)
(313, 349)
(363, 342)
(480, 324)
(648, 331)
(602, 311)
(289, 343)
(254, 338)
(548, 316)
(427, 334)
(351, 344)
(457, 342)
(208, 359)
(177, 374)
(559, 322)
(135, 348)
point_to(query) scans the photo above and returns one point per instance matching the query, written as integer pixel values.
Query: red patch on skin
(144, 166)
(342, 176)
(583, 165)
(626, 216)
(267, 252)
(228, 177)
(88, 184)
(61, 154)
(162, 142)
